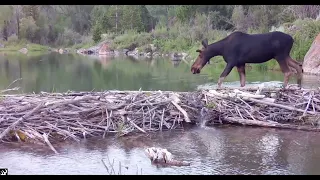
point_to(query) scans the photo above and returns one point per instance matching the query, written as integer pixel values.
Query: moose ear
(204, 43)
(199, 51)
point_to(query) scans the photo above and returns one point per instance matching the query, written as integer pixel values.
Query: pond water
(228, 150)
(59, 73)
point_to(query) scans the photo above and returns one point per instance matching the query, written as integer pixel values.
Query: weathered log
(268, 124)
(239, 94)
(163, 157)
(263, 101)
(175, 102)
(46, 140)
(19, 120)
(171, 163)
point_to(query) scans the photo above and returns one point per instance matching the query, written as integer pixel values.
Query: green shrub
(97, 30)
(12, 39)
(131, 38)
(304, 33)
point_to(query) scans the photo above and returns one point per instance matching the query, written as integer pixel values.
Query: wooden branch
(237, 92)
(20, 119)
(159, 156)
(136, 126)
(72, 101)
(46, 140)
(281, 106)
(263, 101)
(268, 124)
(185, 114)
(171, 163)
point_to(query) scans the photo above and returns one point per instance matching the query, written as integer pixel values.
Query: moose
(240, 48)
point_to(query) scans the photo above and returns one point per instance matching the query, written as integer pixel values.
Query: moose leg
(294, 61)
(242, 75)
(285, 70)
(224, 74)
(296, 65)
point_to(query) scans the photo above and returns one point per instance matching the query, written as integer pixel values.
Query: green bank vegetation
(171, 28)
(13, 44)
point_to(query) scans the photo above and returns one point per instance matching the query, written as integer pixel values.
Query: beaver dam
(49, 117)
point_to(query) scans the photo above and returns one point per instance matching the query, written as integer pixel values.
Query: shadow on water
(228, 150)
(60, 73)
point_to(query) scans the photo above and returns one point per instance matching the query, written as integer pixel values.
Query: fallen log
(268, 124)
(159, 156)
(267, 101)
(6, 131)
(240, 94)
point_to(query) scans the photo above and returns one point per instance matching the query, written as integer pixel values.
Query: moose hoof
(284, 87)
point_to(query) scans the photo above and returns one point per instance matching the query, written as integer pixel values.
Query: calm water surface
(60, 73)
(232, 150)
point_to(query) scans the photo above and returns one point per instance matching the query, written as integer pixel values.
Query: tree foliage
(65, 24)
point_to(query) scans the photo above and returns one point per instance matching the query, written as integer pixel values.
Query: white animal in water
(159, 154)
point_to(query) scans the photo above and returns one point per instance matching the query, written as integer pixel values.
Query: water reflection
(231, 150)
(105, 61)
(56, 72)
(175, 63)
(63, 72)
(268, 145)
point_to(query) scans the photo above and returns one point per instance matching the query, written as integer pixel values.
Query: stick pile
(80, 115)
(283, 108)
(46, 117)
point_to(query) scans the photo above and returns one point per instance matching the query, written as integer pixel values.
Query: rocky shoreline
(104, 49)
(311, 61)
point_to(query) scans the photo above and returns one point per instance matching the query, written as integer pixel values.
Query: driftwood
(268, 124)
(45, 117)
(159, 156)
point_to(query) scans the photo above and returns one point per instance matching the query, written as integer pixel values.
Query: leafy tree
(97, 33)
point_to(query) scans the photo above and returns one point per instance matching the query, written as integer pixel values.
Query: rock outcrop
(61, 51)
(24, 50)
(85, 51)
(311, 63)
(178, 56)
(54, 50)
(146, 51)
(105, 49)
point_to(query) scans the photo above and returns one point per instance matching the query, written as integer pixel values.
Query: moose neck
(215, 49)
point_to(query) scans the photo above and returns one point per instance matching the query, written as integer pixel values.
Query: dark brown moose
(239, 48)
